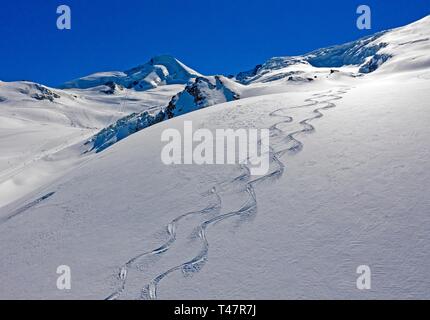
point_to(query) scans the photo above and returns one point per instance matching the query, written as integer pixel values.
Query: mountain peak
(159, 70)
(164, 59)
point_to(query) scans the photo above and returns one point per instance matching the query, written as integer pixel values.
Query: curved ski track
(291, 145)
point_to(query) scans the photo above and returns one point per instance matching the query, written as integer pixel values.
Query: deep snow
(348, 186)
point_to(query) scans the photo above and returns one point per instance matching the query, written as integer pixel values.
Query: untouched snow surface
(348, 186)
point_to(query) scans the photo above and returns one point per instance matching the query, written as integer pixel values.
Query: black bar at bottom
(213, 309)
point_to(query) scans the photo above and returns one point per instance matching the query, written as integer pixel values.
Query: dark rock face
(123, 128)
(199, 94)
(299, 79)
(200, 91)
(243, 77)
(112, 87)
(195, 89)
(374, 63)
(44, 94)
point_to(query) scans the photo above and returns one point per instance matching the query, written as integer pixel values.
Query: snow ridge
(158, 71)
(351, 53)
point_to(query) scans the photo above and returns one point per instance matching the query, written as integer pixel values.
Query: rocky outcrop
(201, 93)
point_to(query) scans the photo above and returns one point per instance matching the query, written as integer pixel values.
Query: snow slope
(39, 126)
(92, 113)
(347, 186)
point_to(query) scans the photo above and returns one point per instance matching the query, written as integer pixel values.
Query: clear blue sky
(214, 37)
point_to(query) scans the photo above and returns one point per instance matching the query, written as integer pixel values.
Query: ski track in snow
(26, 207)
(289, 145)
(171, 231)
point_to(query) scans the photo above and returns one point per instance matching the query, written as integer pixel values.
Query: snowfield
(348, 182)
(41, 133)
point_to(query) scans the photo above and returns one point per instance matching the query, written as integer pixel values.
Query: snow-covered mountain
(40, 126)
(347, 185)
(160, 70)
(355, 58)
(201, 93)
(389, 48)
